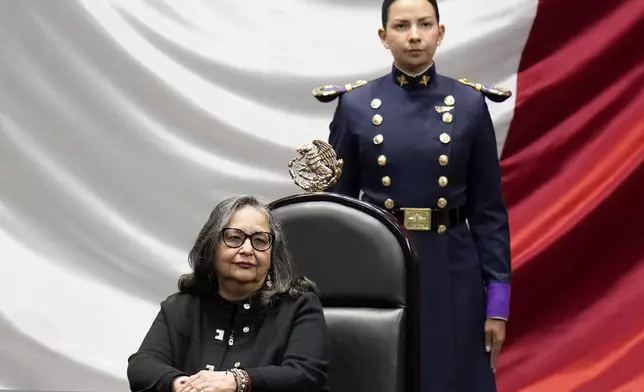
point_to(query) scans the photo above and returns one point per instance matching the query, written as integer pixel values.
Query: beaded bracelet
(242, 379)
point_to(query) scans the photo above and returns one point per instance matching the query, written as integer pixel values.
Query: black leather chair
(366, 270)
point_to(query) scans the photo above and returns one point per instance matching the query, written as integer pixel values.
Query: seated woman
(239, 321)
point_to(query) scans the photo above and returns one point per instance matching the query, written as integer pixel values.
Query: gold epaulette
(495, 94)
(329, 92)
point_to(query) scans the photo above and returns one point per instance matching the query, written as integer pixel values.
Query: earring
(439, 43)
(269, 281)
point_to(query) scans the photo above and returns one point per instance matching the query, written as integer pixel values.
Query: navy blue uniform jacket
(428, 142)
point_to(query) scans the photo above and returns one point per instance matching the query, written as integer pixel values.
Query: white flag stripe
(72, 314)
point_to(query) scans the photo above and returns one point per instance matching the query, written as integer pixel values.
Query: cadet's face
(244, 264)
(412, 34)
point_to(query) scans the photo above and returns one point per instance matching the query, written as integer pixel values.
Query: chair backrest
(367, 272)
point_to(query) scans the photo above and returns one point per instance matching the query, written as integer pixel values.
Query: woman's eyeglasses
(235, 238)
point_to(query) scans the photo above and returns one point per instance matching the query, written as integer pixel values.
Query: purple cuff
(498, 300)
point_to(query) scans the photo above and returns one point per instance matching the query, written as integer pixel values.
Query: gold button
(447, 118)
(237, 364)
(442, 203)
(376, 119)
(382, 160)
(389, 204)
(449, 100)
(442, 229)
(378, 139)
(376, 103)
(386, 181)
(445, 138)
(443, 160)
(442, 181)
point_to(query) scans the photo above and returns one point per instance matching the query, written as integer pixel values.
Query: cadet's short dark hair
(387, 3)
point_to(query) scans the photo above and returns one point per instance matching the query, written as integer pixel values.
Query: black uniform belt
(427, 219)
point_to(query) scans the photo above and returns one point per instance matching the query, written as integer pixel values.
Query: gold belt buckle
(417, 219)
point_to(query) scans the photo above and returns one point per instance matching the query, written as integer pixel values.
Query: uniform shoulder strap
(329, 92)
(495, 94)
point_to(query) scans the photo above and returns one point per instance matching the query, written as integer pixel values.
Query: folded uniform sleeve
(151, 368)
(344, 143)
(488, 215)
(305, 364)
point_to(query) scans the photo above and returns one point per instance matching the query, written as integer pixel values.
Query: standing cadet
(422, 146)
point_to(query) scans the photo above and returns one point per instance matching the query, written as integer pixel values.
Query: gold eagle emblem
(316, 168)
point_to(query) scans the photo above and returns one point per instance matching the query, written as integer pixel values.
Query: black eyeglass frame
(245, 236)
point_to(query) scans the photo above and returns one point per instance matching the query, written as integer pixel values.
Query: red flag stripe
(573, 173)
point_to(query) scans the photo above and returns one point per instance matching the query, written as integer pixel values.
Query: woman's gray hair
(203, 279)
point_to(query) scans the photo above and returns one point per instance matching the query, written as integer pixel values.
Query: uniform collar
(417, 82)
